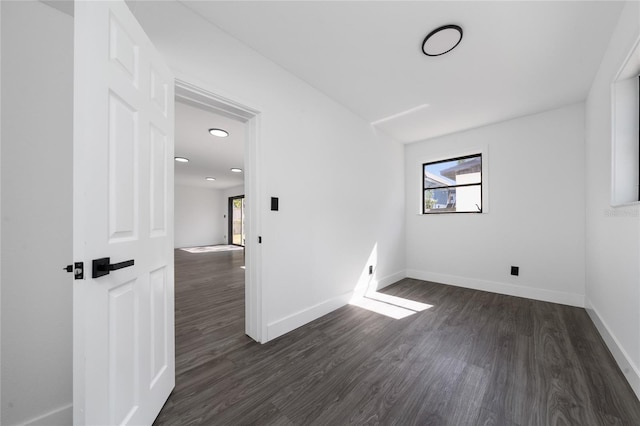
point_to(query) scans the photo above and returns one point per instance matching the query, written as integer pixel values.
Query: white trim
(628, 68)
(0, 212)
(626, 75)
(279, 327)
(255, 315)
(624, 361)
(390, 279)
(58, 417)
(564, 298)
(305, 316)
(623, 205)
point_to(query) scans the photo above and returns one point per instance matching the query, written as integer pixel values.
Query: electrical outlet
(370, 269)
(515, 270)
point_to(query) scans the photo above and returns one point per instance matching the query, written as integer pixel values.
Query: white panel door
(123, 193)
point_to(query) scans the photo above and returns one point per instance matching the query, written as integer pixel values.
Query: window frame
(480, 184)
(625, 116)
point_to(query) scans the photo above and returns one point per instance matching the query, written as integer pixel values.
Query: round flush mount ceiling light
(181, 159)
(236, 170)
(442, 40)
(221, 133)
(210, 178)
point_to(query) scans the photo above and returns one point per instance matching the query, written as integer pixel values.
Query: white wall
(37, 96)
(612, 233)
(198, 216)
(340, 185)
(534, 212)
(0, 221)
(232, 192)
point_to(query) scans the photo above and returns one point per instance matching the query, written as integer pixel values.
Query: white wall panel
(37, 136)
(340, 184)
(533, 171)
(198, 215)
(613, 233)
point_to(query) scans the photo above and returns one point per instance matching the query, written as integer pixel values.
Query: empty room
(440, 213)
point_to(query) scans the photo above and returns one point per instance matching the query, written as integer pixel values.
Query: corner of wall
(563, 298)
(628, 368)
(59, 416)
(279, 327)
(390, 279)
(611, 248)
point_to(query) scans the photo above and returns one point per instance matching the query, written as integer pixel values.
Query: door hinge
(78, 270)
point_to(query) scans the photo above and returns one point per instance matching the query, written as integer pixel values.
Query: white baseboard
(629, 369)
(279, 327)
(390, 279)
(293, 321)
(563, 298)
(62, 416)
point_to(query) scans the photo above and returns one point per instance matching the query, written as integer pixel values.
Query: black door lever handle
(103, 266)
(116, 266)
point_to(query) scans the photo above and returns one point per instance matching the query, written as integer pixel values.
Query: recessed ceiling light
(209, 178)
(442, 40)
(219, 133)
(236, 170)
(181, 159)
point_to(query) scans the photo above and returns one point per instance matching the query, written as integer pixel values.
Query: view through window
(236, 220)
(453, 185)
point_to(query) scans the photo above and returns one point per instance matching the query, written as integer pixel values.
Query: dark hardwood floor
(474, 358)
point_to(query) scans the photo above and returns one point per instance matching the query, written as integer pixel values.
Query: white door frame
(255, 323)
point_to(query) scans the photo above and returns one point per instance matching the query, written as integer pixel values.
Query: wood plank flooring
(474, 358)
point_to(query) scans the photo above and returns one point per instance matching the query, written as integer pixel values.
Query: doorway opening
(255, 326)
(236, 221)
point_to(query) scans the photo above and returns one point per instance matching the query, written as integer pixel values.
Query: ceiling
(209, 156)
(516, 58)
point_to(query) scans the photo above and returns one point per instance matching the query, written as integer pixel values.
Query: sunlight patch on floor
(388, 305)
(366, 297)
(209, 249)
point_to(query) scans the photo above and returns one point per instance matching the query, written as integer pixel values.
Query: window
(236, 220)
(625, 129)
(453, 185)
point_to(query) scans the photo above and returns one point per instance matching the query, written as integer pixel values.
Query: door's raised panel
(123, 52)
(159, 326)
(159, 92)
(123, 170)
(158, 189)
(123, 353)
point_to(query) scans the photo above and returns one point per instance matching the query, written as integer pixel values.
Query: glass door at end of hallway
(236, 220)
